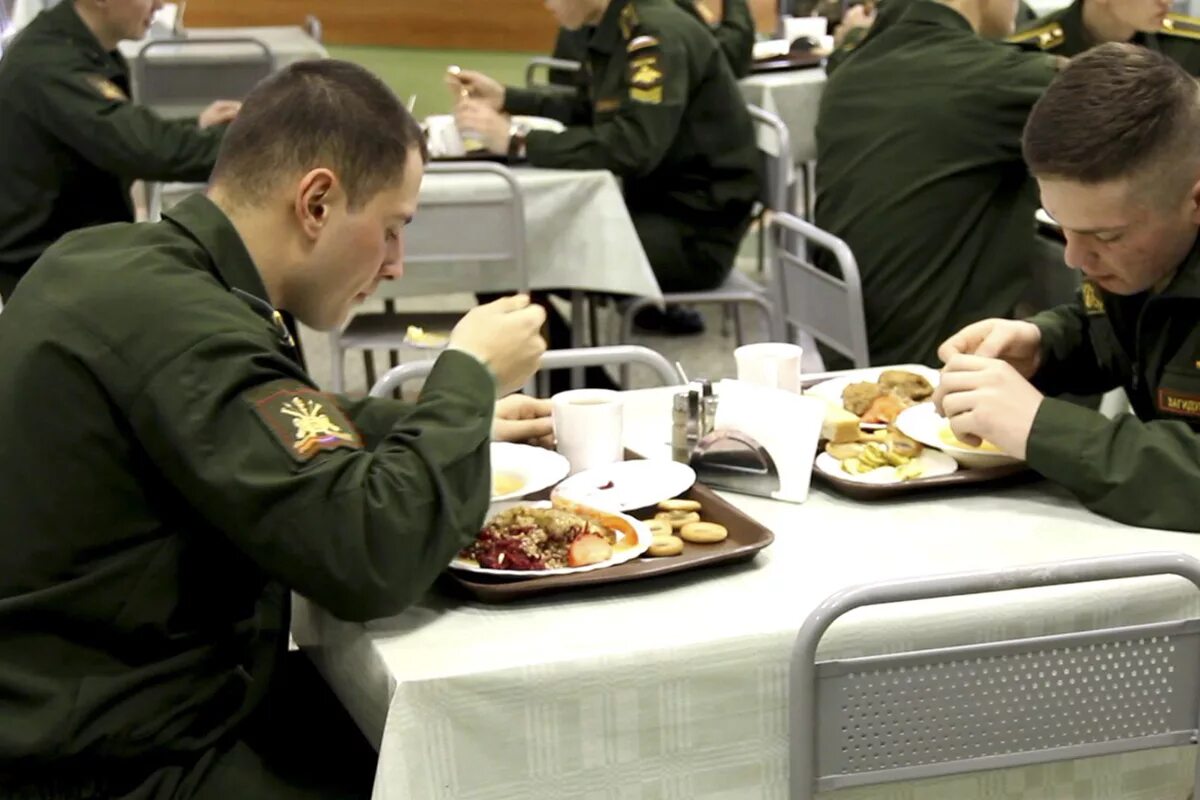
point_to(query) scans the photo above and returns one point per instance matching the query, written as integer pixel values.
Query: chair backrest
(469, 232)
(179, 77)
(538, 63)
(827, 306)
(775, 149)
(906, 716)
(396, 377)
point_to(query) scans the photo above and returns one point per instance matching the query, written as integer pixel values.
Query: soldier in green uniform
(1149, 23)
(662, 111)
(1113, 147)
(919, 170)
(170, 471)
(71, 142)
(734, 31)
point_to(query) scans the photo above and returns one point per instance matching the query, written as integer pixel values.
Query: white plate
(833, 388)
(933, 464)
(445, 140)
(628, 485)
(923, 423)
(537, 466)
(641, 545)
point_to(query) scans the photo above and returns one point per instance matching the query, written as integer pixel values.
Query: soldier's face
(130, 19)
(1141, 15)
(1118, 235)
(574, 14)
(355, 250)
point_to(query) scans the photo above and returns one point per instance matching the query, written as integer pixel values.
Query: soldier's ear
(1195, 201)
(312, 202)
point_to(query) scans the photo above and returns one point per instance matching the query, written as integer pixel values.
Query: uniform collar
(64, 19)
(938, 13)
(228, 257)
(1186, 282)
(608, 37)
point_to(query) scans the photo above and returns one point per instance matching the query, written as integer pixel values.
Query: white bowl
(537, 468)
(923, 423)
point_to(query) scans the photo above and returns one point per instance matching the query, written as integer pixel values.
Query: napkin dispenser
(762, 444)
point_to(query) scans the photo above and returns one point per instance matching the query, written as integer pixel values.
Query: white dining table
(677, 687)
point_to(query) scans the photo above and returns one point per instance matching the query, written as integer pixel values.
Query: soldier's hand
(525, 420)
(219, 112)
(506, 336)
(858, 16)
(985, 398)
(489, 125)
(1019, 343)
(467, 84)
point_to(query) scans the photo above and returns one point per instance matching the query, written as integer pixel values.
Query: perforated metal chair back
(177, 77)
(906, 716)
(827, 306)
(615, 355)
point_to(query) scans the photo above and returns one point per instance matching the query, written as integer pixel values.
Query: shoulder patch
(646, 78)
(1093, 303)
(641, 43)
(1043, 37)
(628, 21)
(1180, 25)
(304, 421)
(107, 89)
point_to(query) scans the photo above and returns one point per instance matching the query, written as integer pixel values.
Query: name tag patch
(1180, 403)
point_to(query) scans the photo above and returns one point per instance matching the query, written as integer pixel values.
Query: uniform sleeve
(1069, 361)
(1139, 473)
(632, 140)
(569, 108)
(1014, 86)
(280, 469)
(91, 116)
(735, 35)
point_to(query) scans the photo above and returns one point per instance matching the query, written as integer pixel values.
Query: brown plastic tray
(1005, 474)
(746, 538)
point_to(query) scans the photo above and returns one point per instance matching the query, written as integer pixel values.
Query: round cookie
(659, 527)
(678, 519)
(665, 546)
(679, 505)
(703, 533)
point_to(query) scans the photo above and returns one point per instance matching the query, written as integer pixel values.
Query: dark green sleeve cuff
(463, 374)
(1060, 442)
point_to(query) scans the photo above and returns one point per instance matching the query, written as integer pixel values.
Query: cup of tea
(775, 365)
(587, 425)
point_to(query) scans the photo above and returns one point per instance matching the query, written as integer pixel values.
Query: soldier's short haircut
(1116, 111)
(323, 113)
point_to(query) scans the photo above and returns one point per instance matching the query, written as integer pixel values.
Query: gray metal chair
(906, 716)
(829, 307)
(488, 230)
(539, 63)
(396, 377)
(738, 290)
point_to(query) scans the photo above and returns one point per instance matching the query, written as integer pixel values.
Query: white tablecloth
(677, 688)
(578, 236)
(795, 97)
(287, 43)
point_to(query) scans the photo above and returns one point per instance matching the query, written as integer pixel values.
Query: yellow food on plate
(506, 483)
(415, 335)
(839, 424)
(890, 450)
(947, 436)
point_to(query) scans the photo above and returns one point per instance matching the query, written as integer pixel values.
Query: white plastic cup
(588, 427)
(774, 365)
(812, 27)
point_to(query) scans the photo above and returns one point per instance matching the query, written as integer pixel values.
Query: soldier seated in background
(919, 170)
(1149, 23)
(1114, 149)
(663, 112)
(734, 31)
(71, 142)
(171, 473)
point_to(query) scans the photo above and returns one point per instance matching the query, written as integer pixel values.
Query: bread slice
(839, 424)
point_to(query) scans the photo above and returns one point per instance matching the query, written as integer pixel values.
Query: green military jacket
(1141, 469)
(1062, 34)
(919, 170)
(662, 110)
(734, 31)
(71, 142)
(169, 471)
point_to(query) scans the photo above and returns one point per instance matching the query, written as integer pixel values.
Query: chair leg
(369, 367)
(593, 302)
(625, 329)
(739, 332)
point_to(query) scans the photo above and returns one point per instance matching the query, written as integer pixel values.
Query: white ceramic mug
(776, 365)
(587, 424)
